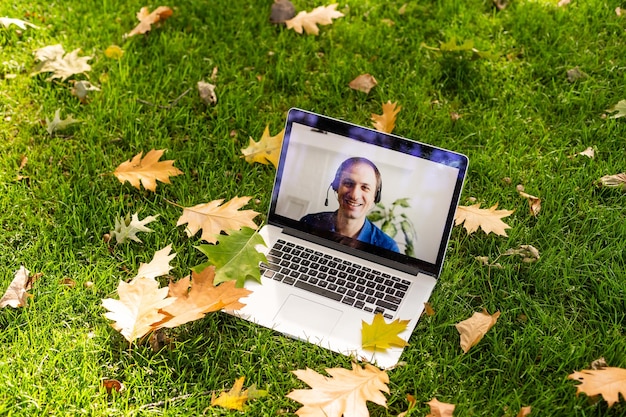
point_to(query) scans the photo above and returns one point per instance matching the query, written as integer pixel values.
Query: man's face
(357, 190)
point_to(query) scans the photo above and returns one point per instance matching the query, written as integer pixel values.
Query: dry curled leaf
(534, 203)
(609, 382)
(439, 409)
(147, 19)
(616, 180)
(473, 329)
(386, 122)
(17, 293)
(146, 171)
(53, 59)
(207, 92)
(344, 393)
(214, 217)
(364, 83)
(308, 21)
(473, 217)
(528, 253)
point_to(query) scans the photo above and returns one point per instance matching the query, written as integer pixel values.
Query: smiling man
(358, 186)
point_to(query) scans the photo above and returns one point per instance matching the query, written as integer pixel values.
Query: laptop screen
(371, 194)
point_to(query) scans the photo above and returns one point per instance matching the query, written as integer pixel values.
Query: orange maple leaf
(608, 382)
(146, 171)
(386, 122)
(266, 150)
(346, 393)
(473, 329)
(474, 217)
(147, 19)
(380, 335)
(308, 21)
(196, 297)
(439, 409)
(214, 218)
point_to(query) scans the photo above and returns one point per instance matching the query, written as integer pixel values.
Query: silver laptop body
(319, 285)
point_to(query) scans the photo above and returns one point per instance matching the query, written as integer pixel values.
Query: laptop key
(316, 290)
(385, 304)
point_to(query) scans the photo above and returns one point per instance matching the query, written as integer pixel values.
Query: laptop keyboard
(335, 278)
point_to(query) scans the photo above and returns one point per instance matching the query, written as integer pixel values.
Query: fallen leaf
(599, 363)
(214, 217)
(112, 385)
(528, 253)
(412, 403)
(113, 52)
(207, 92)
(616, 180)
(562, 3)
(236, 398)
(235, 256)
(147, 19)
(138, 307)
(281, 11)
(146, 171)
(386, 122)
(344, 393)
(534, 203)
(439, 409)
(524, 411)
(7, 21)
(608, 382)
(474, 217)
(308, 21)
(17, 293)
(619, 109)
(128, 227)
(380, 335)
(52, 59)
(52, 126)
(364, 83)
(266, 150)
(575, 74)
(160, 263)
(81, 89)
(196, 297)
(473, 329)
(428, 309)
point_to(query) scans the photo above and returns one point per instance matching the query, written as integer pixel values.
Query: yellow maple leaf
(214, 218)
(138, 307)
(196, 297)
(386, 122)
(236, 398)
(266, 150)
(439, 409)
(308, 21)
(608, 382)
(473, 329)
(146, 171)
(147, 19)
(346, 392)
(474, 217)
(380, 335)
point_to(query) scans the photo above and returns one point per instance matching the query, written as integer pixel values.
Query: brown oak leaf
(439, 409)
(146, 171)
(473, 329)
(609, 382)
(386, 122)
(214, 217)
(147, 19)
(308, 21)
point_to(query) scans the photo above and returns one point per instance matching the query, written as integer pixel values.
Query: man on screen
(358, 185)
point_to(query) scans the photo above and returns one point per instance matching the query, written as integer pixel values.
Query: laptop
(324, 276)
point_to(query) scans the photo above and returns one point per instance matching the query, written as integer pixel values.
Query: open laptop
(320, 285)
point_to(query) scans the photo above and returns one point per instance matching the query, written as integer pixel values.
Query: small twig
(169, 400)
(170, 105)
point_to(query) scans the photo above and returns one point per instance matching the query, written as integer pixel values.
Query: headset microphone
(326, 201)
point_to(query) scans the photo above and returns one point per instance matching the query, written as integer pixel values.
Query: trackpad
(307, 317)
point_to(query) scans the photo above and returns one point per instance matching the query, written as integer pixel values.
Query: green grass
(521, 119)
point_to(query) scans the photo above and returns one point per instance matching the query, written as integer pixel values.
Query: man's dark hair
(345, 165)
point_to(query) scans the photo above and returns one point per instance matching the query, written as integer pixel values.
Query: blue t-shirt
(369, 233)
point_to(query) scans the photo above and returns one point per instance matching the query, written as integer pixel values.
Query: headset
(347, 164)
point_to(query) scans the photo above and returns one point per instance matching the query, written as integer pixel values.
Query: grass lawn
(522, 121)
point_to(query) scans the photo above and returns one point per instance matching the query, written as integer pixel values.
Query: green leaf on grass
(235, 256)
